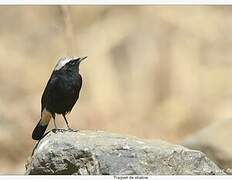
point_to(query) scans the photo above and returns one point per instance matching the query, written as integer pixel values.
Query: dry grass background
(152, 71)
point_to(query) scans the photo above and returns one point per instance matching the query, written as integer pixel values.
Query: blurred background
(155, 72)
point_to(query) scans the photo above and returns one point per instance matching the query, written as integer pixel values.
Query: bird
(60, 94)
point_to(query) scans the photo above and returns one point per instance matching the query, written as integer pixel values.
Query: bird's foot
(58, 130)
(72, 130)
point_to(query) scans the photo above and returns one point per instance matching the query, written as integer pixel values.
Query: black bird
(60, 95)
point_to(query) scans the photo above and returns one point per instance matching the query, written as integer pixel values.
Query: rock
(215, 142)
(101, 153)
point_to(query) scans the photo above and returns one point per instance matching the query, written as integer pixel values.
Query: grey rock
(215, 142)
(102, 153)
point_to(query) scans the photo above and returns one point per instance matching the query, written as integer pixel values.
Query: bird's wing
(50, 87)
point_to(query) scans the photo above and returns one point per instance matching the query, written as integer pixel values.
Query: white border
(124, 177)
(117, 2)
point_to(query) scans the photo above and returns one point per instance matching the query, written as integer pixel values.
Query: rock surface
(101, 153)
(215, 142)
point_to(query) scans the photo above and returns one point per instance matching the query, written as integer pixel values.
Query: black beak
(81, 59)
(78, 60)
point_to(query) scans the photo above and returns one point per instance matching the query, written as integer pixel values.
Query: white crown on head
(62, 61)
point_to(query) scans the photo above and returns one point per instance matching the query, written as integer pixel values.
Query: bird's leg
(70, 129)
(54, 120)
(66, 122)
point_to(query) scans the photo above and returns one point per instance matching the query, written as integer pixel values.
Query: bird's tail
(40, 128)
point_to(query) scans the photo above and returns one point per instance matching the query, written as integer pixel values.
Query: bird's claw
(72, 130)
